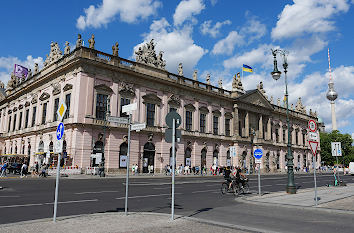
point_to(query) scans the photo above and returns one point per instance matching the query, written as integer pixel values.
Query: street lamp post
(290, 188)
(252, 134)
(107, 112)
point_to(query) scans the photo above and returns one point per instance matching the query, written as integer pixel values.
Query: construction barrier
(66, 170)
(91, 170)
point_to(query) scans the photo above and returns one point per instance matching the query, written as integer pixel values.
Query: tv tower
(332, 95)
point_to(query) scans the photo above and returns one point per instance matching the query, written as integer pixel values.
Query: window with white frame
(150, 114)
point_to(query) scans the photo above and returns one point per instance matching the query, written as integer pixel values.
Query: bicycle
(225, 188)
(244, 188)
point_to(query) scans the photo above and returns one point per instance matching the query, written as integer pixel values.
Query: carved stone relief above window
(56, 88)
(44, 96)
(10, 111)
(204, 109)
(127, 90)
(67, 87)
(34, 98)
(189, 107)
(152, 98)
(174, 101)
(217, 113)
(20, 106)
(27, 104)
(228, 115)
(104, 89)
(15, 109)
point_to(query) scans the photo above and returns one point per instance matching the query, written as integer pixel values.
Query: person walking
(24, 170)
(43, 171)
(3, 169)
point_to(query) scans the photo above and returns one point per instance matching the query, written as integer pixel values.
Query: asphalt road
(199, 197)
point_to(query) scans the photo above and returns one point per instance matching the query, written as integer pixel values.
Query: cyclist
(227, 176)
(238, 176)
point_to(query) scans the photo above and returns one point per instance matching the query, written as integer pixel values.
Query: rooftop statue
(271, 99)
(236, 82)
(2, 85)
(115, 49)
(299, 106)
(67, 48)
(220, 83)
(12, 83)
(195, 75)
(78, 41)
(147, 55)
(29, 75)
(36, 68)
(180, 69)
(278, 101)
(54, 55)
(260, 88)
(208, 79)
(92, 42)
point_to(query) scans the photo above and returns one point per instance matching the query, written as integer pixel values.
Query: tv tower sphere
(331, 94)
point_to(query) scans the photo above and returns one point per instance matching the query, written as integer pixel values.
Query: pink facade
(90, 76)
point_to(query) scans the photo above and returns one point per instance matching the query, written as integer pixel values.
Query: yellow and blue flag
(247, 68)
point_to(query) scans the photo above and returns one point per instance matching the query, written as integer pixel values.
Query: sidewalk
(332, 199)
(118, 222)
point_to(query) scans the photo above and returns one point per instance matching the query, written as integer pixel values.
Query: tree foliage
(347, 147)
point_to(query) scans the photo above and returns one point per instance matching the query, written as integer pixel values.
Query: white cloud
(308, 16)
(213, 2)
(7, 65)
(177, 44)
(227, 45)
(260, 55)
(130, 11)
(254, 29)
(186, 9)
(213, 31)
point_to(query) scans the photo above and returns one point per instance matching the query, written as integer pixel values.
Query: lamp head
(276, 74)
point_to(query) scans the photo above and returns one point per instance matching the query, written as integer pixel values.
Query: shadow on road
(200, 211)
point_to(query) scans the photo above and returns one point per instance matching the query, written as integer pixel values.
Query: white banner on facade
(123, 161)
(188, 161)
(228, 162)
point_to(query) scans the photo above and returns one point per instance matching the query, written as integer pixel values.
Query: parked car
(351, 168)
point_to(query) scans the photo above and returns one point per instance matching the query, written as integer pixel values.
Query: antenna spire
(329, 65)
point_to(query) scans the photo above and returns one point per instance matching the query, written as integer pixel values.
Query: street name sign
(129, 108)
(61, 111)
(336, 149)
(138, 126)
(312, 125)
(118, 120)
(313, 147)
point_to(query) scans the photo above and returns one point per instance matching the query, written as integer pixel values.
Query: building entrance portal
(148, 157)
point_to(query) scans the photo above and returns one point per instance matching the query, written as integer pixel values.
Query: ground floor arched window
(215, 157)
(123, 153)
(97, 153)
(228, 158)
(149, 158)
(203, 158)
(187, 157)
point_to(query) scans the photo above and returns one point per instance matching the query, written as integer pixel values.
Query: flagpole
(242, 71)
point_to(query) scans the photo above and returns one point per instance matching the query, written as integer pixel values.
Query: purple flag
(19, 71)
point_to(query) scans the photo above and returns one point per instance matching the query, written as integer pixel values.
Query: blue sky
(211, 36)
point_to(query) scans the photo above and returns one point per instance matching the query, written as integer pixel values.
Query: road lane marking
(162, 188)
(9, 196)
(204, 191)
(151, 195)
(113, 191)
(47, 203)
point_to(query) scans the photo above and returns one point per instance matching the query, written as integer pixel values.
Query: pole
(337, 171)
(259, 179)
(173, 168)
(56, 189)
(128, 159)
(314, 176)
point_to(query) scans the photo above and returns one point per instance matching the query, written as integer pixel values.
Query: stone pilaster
(236, 121)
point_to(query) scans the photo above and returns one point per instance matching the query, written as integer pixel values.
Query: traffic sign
(138, 126)
(60, 131)
(129, 107)
(168, 135)
(119, 120)
(258, 161)
(169, 119)
(313, 147)
(61, 111)
(313, 136)
(59, 146)
(258, 153)
(336, 149)
(312, 125)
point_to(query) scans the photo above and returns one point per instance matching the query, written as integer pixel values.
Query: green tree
(347, 148)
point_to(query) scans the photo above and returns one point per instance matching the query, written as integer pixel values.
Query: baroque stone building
(94, 84)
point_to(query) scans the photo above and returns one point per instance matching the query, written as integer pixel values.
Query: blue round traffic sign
(258, 153)
(60, 131)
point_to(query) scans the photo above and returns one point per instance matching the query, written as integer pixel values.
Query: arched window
(41, 146)
(215, 157)
(123, 152)
(29, 149)
(51, 147)
(187, 157)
